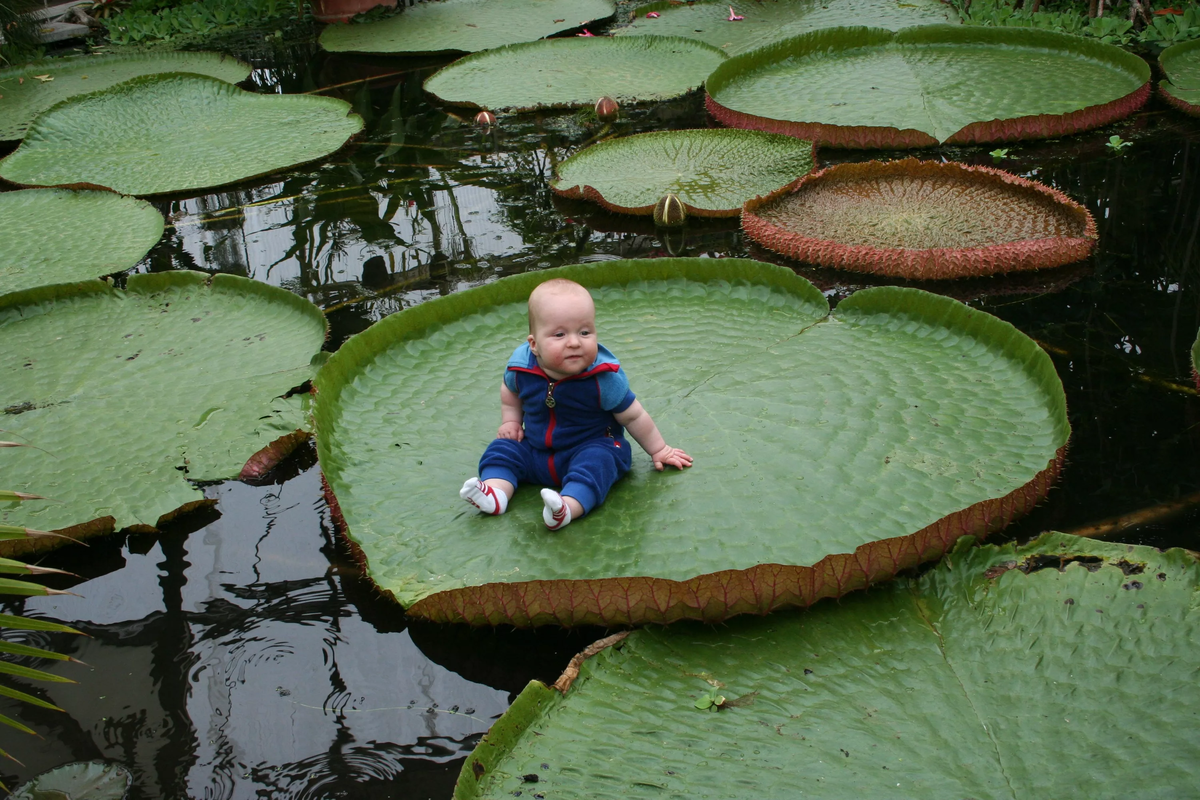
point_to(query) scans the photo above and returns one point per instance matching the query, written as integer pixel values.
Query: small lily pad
(922, 220)
(58, 236)
(712, 171)
(84, 780)
(175, 132)
(463, 25)
(28, 91)
(577, 71)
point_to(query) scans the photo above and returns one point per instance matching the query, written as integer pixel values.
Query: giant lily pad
(464, 25)
(125, 395)
(562, 73)
(58, 236)
(1181, 64)
(712, 171)
(763, 23)
(28, 91)
(830, 451)
(921, 219)
(864, 87)
(174, 132)
(1049, 670)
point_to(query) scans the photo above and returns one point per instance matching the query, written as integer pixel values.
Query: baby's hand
(512, 430)
(673, 456)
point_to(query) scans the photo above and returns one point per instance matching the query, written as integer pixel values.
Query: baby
(564, 405)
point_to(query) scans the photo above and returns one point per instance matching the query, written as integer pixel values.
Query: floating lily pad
(59, 236)
(712, 171)
(1181, 64)
(84, 780)
(767, 22)
(1049, 670)
(175, 132)
(126, 395)
(922, 220)
(28, 91)
(830, 452)
(563, 73)
(865, 87)
(464, 25)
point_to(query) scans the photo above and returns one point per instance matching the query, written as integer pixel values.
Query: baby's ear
(532, 343)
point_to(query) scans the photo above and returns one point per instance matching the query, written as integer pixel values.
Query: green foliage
(1000, 153)
(21, 42)
(160, 20)
(1117, 143)
(1115, 27)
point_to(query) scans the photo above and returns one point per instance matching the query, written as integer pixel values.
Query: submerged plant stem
(1114, 526)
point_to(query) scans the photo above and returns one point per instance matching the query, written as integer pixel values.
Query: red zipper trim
(550, 435)
(596, 370)
(554, 472)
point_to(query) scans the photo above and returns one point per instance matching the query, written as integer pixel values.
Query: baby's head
(562, 328)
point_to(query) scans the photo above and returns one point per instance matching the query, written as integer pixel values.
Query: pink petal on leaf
(734, 17)
(652, 15)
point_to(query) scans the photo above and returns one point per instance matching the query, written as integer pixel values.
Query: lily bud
(607, 109)
(485, 119)
(669, 212)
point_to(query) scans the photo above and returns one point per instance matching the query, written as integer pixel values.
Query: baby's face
(564, 334)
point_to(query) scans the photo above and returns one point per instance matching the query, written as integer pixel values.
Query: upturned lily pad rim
(1035, 126)
(536, 699)
(158, 77)
(562, 42)
(1165, 87)
(590, 193)
(42, 299)
(923, 264)
(633, 600)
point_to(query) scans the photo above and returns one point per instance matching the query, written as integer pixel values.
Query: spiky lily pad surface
(763, 23)
(1181, 63)
(922, 220)
(1040, 671)
(464, 25)
(830, 451)
(175, 132)
(865, 87)
(25, 95)
(58, 236)
(712, 171)
(563, 73)
(125, 395)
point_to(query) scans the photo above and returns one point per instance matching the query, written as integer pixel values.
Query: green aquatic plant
(711, 171)
(1002, 672)
(1116, 143)
(464, 25)
(922, 220)
(866, 88)
(98, 233)
(1000, 153)
(83, 780)
(1181, 65)
(131, 394)
(26, 96)
(576, 72)
(140, 137)
(831, 451)
(161, 22)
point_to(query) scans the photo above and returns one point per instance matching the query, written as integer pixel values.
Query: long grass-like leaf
(13, 622)
(12, 723)
(8, 532)
(24, 588)
(10, 566)
(34, 652)
(12, 444)
(27, 698)
(29, 673)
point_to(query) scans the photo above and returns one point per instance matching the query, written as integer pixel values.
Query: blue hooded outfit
(571, 439)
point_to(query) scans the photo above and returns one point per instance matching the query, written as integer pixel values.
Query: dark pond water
(240, 654)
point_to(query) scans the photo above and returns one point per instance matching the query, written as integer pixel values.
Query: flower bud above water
(669, 212)
(485, 119)
(607, 109)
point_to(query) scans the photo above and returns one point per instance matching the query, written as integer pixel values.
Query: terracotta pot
(343, 10)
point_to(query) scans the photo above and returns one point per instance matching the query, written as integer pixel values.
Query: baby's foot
(556, 514)
(483, 497)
